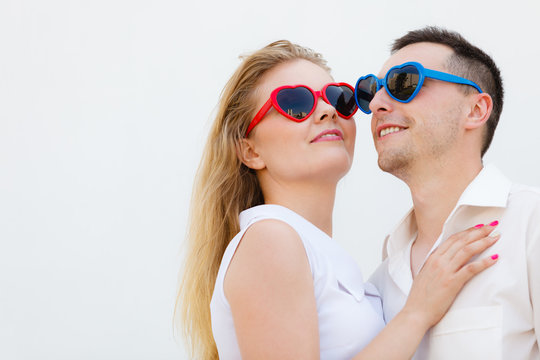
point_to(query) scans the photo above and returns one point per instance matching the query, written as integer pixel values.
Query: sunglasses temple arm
(258, 117)
(437, 75)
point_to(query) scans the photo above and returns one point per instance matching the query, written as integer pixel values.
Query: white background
(104, 109)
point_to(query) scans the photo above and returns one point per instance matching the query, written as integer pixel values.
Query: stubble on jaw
(396, 162)
(438, 139)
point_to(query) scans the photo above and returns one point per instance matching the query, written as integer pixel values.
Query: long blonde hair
(223, 188)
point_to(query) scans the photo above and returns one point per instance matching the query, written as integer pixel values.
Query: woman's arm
(433, 292)
(269, 287)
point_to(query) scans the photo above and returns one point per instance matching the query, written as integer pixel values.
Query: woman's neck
(313, 202)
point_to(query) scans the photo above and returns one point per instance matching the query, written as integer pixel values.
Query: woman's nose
(324, 111)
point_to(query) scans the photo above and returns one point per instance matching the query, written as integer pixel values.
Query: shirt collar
(490, 188)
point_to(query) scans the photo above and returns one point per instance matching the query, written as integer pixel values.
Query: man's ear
(249, 156)
(479, 111)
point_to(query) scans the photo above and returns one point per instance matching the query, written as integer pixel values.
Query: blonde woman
(282, 288)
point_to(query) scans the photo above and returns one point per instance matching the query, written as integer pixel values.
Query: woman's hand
(446, 271)
(434, 289)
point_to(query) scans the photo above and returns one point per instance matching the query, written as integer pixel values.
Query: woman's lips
(328, 135)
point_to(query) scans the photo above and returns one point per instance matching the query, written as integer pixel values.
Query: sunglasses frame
(272, 102)
(422, 74)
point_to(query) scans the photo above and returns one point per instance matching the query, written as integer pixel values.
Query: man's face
(409, 136)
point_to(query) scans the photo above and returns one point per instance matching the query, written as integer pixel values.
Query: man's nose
(381, 102)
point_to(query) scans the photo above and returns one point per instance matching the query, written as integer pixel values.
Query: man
(432, 135)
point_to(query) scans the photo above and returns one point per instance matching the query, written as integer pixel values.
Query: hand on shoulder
(448, 269)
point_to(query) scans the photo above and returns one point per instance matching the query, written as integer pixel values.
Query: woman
(281, 288)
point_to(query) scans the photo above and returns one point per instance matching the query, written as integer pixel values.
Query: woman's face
(293, 151)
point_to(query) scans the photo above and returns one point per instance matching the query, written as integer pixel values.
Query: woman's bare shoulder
(270, 252)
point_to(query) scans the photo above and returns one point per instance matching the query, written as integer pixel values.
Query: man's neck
(435, 193)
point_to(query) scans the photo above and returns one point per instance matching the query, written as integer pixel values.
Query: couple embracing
(263, 279)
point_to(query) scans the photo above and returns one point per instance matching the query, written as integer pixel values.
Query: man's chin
(395, 164)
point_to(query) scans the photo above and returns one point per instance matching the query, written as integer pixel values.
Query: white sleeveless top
(349, 311)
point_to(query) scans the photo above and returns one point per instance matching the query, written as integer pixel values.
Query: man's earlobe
(249, 156)
(479, 112)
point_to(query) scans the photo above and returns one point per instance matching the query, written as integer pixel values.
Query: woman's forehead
(295, 72)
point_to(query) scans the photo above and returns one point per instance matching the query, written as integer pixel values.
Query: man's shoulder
(525, 189)
(524, 194)
(524, 203)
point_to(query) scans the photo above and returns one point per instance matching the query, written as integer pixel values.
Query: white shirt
(495, 315)
(349, 311)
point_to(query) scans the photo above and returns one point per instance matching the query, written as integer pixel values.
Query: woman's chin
(333, 170)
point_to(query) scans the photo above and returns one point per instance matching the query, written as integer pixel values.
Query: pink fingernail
(495, 257)
(478, 226)
(495, 223)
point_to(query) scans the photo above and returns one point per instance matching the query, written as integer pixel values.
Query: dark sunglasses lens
(365, 91)
(342, 99)
(296, 102)
(402, 82)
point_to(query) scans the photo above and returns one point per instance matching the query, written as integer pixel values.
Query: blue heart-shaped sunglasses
(402, 83)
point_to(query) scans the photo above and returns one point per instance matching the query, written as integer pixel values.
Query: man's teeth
(327, 135)
(389, 130)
